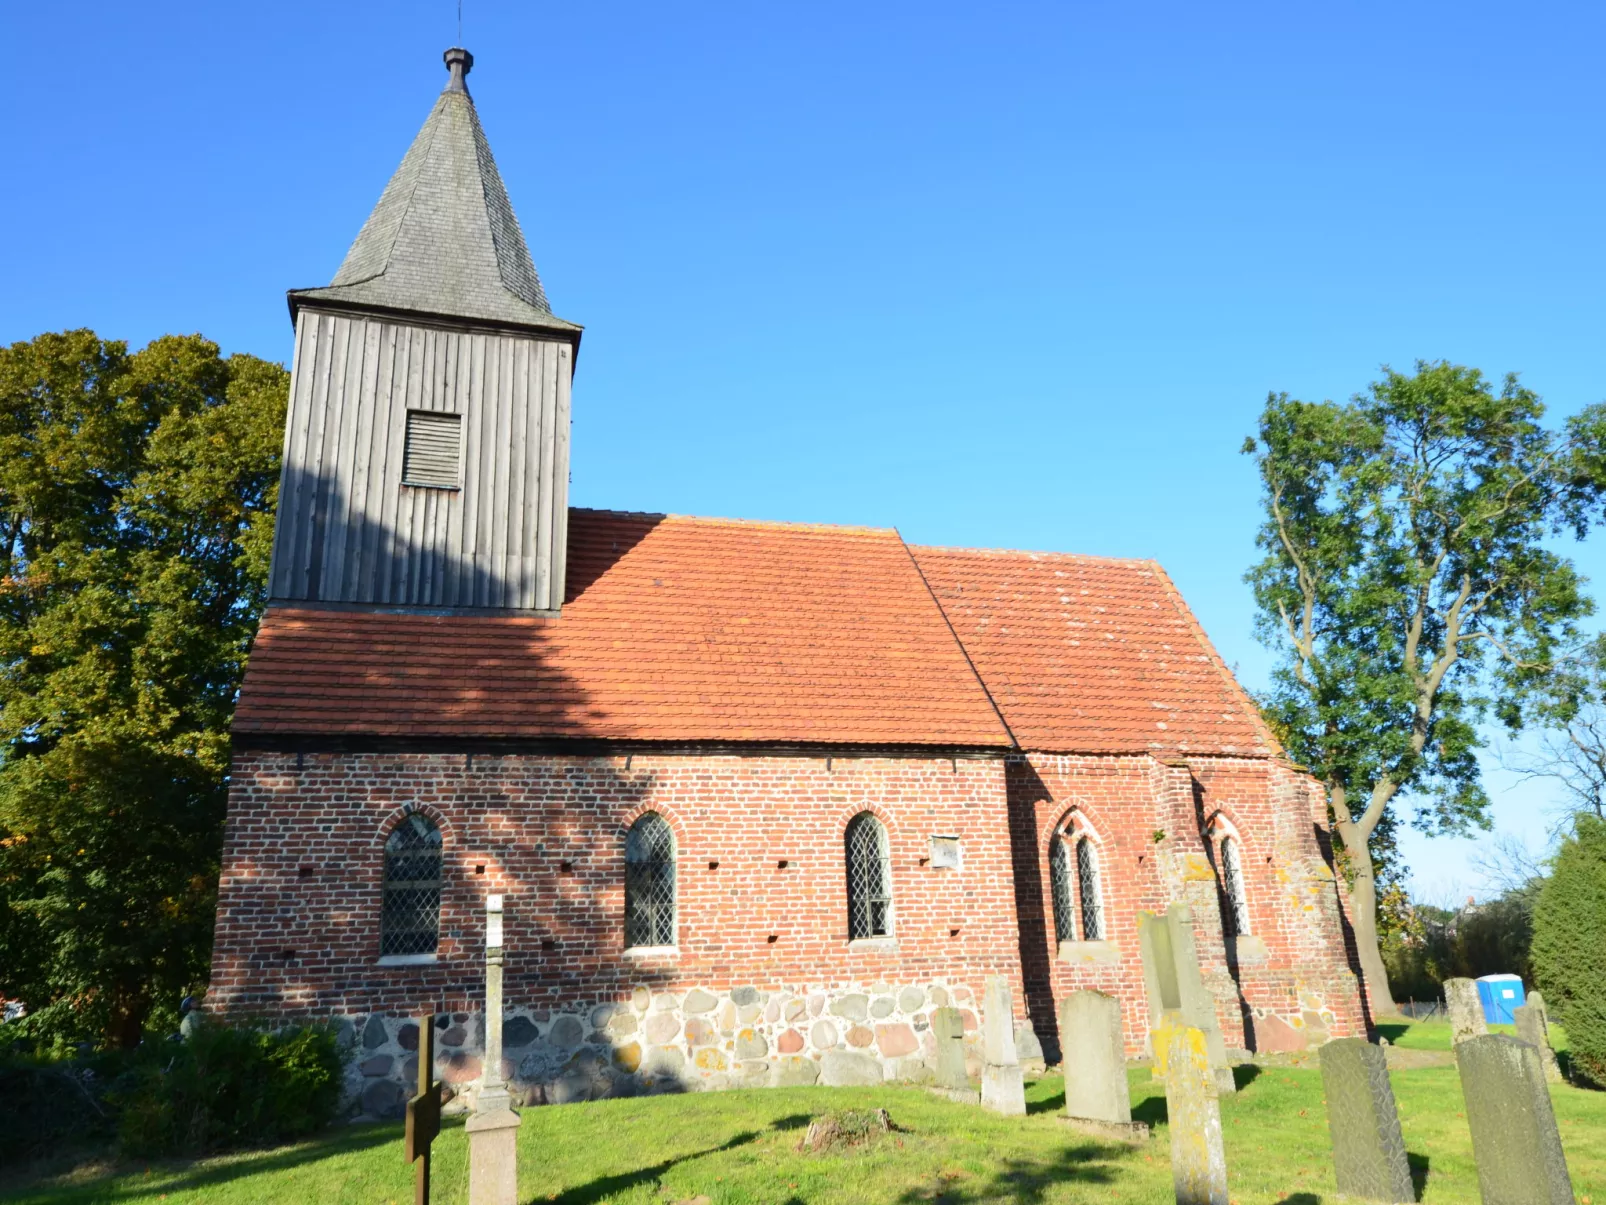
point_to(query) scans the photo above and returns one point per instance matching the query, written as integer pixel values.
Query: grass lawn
(738, 1147)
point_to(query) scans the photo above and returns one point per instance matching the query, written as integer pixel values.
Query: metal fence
(1423, 1010)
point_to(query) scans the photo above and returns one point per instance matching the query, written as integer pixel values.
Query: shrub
(230, 1087)
(1569, 945)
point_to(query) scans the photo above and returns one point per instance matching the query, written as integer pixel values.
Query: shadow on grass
(1419, 1171)
(214, 1175)
(1049, 1104)
(604, 1187)
(1022, 1181)
(1151, 1111)
(1302, 1198)
(1393, 1031)
(792, 1121)
(1245, 1074)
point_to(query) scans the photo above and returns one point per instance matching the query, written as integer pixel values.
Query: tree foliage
(136, 507)
(1408, 589)
(1569, 944)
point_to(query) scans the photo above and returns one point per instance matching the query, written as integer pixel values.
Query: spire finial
(459, 62)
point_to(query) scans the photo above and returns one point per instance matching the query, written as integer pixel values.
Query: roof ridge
(722, 521)
(1045, 554)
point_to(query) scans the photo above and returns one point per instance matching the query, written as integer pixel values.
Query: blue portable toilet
(1500, 994)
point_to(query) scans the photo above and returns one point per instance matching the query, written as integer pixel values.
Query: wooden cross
(424, 1110)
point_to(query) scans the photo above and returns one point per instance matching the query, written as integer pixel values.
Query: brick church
(759, 796)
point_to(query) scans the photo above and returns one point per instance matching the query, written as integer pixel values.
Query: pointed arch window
(1073, 869)
(650, 882)
(1236, 913)
(410, 920)
(869, 878)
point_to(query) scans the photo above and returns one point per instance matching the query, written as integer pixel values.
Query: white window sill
(652, 951)
(407, 960)
(889, 944)
(1089, 952)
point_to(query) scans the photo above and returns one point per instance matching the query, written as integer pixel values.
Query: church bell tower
(426, 454)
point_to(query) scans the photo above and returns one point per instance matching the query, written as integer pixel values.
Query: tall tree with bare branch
(1410, 596)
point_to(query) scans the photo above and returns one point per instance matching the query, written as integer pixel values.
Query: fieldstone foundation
(698, 1040)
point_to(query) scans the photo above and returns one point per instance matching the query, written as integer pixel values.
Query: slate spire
(443, 239)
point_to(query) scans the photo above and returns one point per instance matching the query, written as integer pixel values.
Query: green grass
(739, 1147)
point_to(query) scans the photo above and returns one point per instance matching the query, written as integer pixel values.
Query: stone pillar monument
(1465, 1009)
(1003, 1088)
(493, 1156)
(1532, 1027)
(1198, 1162)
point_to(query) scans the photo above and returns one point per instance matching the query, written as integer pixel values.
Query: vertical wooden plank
(546, 550)
(499, 467)
(289, 525)
(369, 577)
(473, 494)
(342, 479)
(485, 472)
(560, 482)
(518, 510)
(360, 459)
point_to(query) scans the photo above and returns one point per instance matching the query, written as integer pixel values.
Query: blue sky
(1014, 275)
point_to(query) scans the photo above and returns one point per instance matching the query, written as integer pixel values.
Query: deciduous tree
(1410, 594)
(136, 508)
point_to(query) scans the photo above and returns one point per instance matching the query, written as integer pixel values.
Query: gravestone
(1514, 1137)
(948, 1030)
(1198, 1162)
(1003, 1089)
(1173, 982)
(1096, 1093)
(1465, 1009)
(1531, 1028)
(1368, 1148)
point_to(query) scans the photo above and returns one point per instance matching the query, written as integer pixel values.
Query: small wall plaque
(947, 853)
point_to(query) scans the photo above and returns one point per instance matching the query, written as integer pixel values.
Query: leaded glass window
(1062, 880)
(1232, 875)
(1087, 875)
(410, 922)
(869, 878)
(650, 882)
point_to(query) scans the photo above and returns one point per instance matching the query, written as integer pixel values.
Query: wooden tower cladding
(426, 456)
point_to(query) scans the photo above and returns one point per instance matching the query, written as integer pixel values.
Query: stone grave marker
(1173, 982)
(1466, 1010)
(1531, 1028)
(1097, 1098)
(1514, 1137)
(948, 1030)
(493, 1169)
(1368, 1148)
(1198, 1162)
(1003, 1088)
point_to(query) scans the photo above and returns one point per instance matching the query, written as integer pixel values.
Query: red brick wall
(1146, 818)
(298, 913)
(303, 866)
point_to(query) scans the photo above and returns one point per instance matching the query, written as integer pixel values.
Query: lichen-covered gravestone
(1096, 1093)
(1514, 1137)
(948, 1031)
(1531, 1028)
(1003, 1088)
(1173, 983)
(1198, 1162)
(1466, 1010)
(1368, 1148)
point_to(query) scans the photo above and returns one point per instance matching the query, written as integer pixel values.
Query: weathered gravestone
(1514, 1137)
(1368, 1148)
(948, 1031)
(1198, 1162)
(1465, 1009)
(1531, 1028)
(1003, 1089)
(1096, 1095)
(1173, 982)
(493, 1173)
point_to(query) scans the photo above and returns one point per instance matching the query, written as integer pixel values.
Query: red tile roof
(1090, 654)
(710, 630)
(675, 629)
